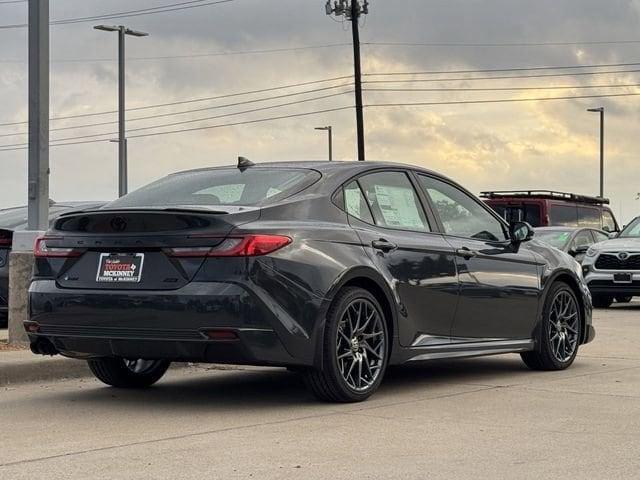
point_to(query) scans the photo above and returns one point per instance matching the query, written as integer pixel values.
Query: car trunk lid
(134, 249)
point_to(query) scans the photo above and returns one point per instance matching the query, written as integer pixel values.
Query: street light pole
(329, 131)
(122, 134)
(600, 110)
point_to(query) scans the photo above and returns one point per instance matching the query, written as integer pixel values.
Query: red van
(542, 208)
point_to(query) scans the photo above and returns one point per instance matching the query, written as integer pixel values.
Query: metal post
(355, 27)
(600, 110)
(38, 188)
(122, 132)
(329, 131)
(122, 147)
(602, 153)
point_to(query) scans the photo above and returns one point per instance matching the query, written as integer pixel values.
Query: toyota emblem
(119, 224)
(623, 256)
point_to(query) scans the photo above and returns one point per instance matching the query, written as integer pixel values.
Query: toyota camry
(333, 269)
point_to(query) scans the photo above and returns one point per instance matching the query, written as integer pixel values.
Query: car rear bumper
(211, 322)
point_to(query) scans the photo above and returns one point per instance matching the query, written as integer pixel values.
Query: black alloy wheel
(559, 331)
(126, 373)
(355, 349)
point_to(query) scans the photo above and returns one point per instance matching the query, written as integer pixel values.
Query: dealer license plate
(120, 267)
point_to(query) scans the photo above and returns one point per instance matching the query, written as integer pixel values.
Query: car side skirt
(477, 348)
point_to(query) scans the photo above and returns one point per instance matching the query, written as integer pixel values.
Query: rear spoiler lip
(186, 209)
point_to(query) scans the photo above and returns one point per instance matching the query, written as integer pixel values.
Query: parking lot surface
(467, 419)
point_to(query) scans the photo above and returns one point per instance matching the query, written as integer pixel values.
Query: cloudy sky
(550, 144)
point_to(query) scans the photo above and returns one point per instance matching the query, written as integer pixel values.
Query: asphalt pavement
(467, 419)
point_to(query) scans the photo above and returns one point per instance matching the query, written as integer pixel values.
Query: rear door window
(563, 215)
(589, 217)
(393, 201)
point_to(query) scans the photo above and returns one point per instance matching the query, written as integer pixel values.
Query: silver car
(612, 268)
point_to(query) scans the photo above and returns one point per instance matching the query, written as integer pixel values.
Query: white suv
(612, 268)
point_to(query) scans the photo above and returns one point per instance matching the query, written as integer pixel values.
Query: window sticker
(398, 207)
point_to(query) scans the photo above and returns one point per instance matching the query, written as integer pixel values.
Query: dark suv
(542, 208)
(15, 219)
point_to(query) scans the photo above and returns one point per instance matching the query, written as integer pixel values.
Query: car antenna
(244, 163)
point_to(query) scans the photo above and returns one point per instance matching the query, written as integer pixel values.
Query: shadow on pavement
(280, 389)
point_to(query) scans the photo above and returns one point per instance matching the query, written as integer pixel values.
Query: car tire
(558, 333)
(623, 299)
(355, 350)
(4, 320)
(602, 301)
(121, 373)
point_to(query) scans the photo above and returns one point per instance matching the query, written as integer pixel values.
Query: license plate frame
(622, 278)
(115, 268)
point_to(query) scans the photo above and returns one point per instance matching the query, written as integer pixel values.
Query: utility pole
(122, 134)
(329, 131)
(352, 10)
(600, 110)
(38, 188)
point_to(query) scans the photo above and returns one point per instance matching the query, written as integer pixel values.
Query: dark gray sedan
(336, 269)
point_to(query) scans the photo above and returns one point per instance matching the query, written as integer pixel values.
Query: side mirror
(521, 232)
(581, 250)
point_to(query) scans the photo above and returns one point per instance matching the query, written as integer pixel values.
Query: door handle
(383, 245)
(466, 253)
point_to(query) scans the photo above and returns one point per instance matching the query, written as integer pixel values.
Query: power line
(195, 110)
(210, 127)
(196, 55)
(153, 127)
(510, 69)
(381, 105)
(502, 100)
(501, 89)
(127, 14)
(502, 77)
(183, 102)
(498, 45)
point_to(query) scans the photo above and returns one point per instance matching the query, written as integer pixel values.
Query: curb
(24, 367)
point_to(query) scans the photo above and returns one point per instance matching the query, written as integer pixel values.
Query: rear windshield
(220, 187)
(525, 212)
(555, 238)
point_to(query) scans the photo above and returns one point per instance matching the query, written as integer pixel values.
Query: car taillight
(42, 249)
(5, 239)
(245, 246)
